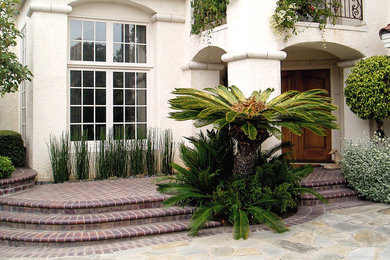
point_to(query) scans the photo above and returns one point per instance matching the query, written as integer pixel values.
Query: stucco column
(352, 127)
(49, 29)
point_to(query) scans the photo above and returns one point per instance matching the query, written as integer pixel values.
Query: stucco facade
(244, 52)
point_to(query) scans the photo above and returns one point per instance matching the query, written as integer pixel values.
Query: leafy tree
(253, 120)
(368, 90)
(12, 73)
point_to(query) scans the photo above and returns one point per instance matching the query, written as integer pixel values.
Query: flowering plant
(288, 12)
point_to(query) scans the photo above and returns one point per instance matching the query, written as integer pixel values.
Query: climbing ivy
(207, 14)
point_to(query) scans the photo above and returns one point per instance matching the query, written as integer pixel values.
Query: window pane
(130, 114)
(75, 78)
(88, 97)
(88, 51)
(75, 30)
(100, 132)
(75, 96)
(118, 32)
(130, 79)
(141, 34)
(88, 30)
(75, 132)
(100, 51)
(75, 115)
(129, 97)
(129, 53)
(100, 77)
(100, 31)
(130, 131)
(141, 80)
(141, 54)
(88, 130)
(141, 97)
(141, 131)
(100, 115)
(118, 80)
(118, 52)
(118, 97)
(100, 96)
(75, 50)
(141, 114)
(88, 79)
(129, 33)
(88, 114)
(118, 114)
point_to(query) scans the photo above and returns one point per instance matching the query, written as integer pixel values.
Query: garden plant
(226, 175)
(368, 90)
(6, 167)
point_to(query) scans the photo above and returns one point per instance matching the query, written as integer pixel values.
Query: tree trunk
(246, 152)
(379, 131)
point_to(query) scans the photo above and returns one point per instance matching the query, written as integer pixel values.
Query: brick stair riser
(313, 202)
(87, 210)
(328, 187)
(17, 183)
(16, 189)
(95, 226)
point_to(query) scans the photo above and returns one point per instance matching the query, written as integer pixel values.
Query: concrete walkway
(361, 232)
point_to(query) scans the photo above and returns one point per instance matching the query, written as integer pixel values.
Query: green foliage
(368, 88)
(12, 73)
(137, 157)
(167, 148)
(82, 157)
(59, 151)
(207, 14)
(289, 12)
(11, 146)
(6, 167)
(222, 106)
(208, 183)
(366, 167)
(151, 157)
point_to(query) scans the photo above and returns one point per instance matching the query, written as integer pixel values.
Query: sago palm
(252, 120)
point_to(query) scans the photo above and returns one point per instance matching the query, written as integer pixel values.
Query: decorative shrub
(6, 167)
(11, 146)
(366, 166)
(368, 89)
(208, 183)
(289, 12)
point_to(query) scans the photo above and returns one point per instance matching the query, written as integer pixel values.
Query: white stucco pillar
(49, 30)
(351, 126)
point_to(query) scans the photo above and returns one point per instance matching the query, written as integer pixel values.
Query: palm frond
(202, 215)
(241, 225)
(268, 218)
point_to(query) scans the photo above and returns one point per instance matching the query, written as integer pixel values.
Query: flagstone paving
(360, 232)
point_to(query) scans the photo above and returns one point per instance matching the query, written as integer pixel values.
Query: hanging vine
(207, 14)
(289, 12)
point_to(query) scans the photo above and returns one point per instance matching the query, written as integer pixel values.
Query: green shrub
(208, 183)
(366, 166)
(6, 167)
(59, 151)
(11, 146)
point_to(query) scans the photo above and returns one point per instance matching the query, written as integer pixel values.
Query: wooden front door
(308, 147)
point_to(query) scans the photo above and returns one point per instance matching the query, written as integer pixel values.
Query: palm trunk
(246, 152)
(379, 131)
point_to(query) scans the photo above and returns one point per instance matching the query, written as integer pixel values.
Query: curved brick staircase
(89, 213)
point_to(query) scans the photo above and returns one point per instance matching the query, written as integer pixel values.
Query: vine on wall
(207, 14)
(289, 12)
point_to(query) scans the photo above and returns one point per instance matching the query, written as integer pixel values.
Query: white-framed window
(23, 93)
(108, 75)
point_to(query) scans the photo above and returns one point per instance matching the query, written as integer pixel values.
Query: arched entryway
(310, 66)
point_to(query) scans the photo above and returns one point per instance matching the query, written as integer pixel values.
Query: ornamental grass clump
(60, 158)
(366, 167)
(82, 157)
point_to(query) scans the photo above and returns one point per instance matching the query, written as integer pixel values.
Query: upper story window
(129, 43)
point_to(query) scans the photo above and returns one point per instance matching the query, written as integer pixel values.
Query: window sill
(104, 65)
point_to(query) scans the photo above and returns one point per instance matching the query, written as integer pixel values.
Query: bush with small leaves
(6, 167)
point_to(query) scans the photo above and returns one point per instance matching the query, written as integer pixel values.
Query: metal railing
(352, 9)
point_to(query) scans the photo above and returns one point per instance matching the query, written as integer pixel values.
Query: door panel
(308, 147)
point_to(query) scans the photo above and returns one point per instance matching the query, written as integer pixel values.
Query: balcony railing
(352, 9)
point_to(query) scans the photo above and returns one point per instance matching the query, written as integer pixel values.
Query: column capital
(48, 8)
(192, 65)
(263, 55)
(169, 18)
(347, 63)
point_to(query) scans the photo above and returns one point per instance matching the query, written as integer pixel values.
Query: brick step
(92, 221)
(329, 187)
(331, 195)
(16, 237)
(21, 179)
(81, 207)
(323, 183)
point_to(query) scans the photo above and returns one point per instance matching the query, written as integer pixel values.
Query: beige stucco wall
(247, 45)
